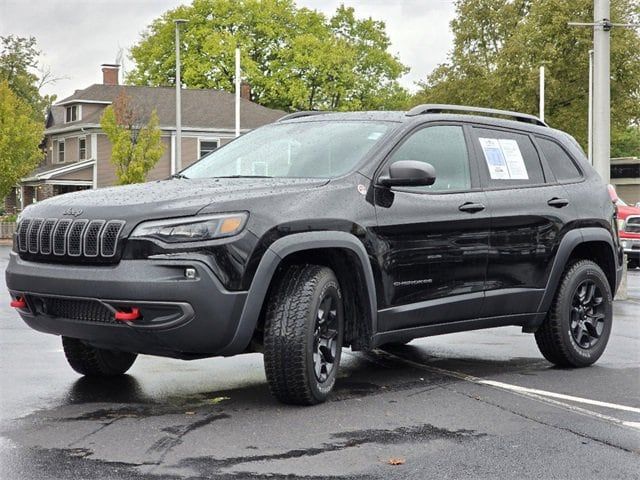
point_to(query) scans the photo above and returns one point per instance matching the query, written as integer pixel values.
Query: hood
(163, 199)
(625, 211)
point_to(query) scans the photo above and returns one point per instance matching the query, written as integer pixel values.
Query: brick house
(77, 152)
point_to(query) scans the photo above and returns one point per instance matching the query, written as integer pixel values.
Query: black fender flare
(279, 250)
(568, 243)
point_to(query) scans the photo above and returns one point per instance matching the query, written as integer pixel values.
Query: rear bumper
(181, 317)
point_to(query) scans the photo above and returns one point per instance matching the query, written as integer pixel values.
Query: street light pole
(541, 108)
(590, 120)
(178, 153)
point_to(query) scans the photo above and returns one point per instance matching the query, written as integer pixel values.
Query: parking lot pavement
(476, 405)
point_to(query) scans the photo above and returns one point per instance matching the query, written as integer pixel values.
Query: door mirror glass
(409, 173)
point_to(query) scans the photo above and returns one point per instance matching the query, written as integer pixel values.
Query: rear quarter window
(561, 163)
(507, 159)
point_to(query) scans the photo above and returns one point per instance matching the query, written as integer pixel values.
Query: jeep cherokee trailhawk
(324, 231)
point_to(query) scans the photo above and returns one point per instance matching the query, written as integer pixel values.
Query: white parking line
(560, 396)
(539, 395)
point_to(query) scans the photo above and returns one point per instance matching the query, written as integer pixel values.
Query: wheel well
(347, 267)
(601, 254)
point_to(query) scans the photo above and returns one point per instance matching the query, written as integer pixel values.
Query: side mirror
(409, 173)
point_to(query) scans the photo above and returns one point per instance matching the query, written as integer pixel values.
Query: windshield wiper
(178, 175)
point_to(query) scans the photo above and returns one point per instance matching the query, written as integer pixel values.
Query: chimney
(245, 91)
(110, 73)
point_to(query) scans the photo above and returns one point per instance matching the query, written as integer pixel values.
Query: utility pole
(178, 160)
(601, 106)
(602, 89)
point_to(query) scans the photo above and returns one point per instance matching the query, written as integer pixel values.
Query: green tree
(20, 137)
(19, 66)
(626, 143)
(294, 58)
(499, 46)
(136, 145)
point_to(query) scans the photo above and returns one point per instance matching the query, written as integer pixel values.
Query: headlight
(192, 229)
(624, 244)
(620, 224)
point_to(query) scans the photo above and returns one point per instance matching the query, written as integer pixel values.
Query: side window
(444, 147)
(507, 158)
(560, 162)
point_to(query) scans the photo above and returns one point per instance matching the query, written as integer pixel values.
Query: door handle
(471, 207)
(558, 202)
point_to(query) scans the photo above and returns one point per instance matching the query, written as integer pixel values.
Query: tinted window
(444, 147)
(315, 149)
(560, 162)
(507, 158)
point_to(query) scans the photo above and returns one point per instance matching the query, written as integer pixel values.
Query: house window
(60, 151)
(206, 146)
(82, 148)
(72, 113)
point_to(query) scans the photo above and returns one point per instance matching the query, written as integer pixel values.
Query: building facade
(78, 154)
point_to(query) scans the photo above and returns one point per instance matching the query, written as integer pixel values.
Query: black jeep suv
(323, 231)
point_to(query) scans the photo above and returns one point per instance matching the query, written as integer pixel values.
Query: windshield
(318, 149)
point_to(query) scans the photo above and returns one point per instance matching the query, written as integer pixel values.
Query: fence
(7, 229)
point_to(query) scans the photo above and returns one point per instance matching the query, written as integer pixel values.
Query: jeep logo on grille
(72, 211)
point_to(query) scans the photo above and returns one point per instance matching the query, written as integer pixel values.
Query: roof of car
(404, 117)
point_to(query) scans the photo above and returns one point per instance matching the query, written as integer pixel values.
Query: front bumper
(631, 247)
(181, 317)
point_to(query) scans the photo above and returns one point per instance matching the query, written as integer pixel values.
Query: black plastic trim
(279, 250)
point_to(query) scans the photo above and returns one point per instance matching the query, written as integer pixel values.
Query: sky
(76, 36)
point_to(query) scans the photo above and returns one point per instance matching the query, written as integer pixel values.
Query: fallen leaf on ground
(396, 461)
(217, 400)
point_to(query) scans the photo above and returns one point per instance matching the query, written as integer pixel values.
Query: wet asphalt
(426, 405)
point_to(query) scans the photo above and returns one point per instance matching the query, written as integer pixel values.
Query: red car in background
(628, 229)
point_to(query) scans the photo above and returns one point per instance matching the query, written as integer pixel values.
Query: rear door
(432, 240)
(529, 214)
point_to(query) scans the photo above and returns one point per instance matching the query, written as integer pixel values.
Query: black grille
(74, 247)
(22, 234)
(45, 235)
(60, 236)
(110, 235)
(67, 237)
(34, 234)
(81, 310)
(91, 238)
(632, 225)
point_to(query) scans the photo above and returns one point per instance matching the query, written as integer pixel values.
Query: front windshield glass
(317, 149)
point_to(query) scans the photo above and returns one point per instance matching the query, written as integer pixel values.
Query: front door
(432, 240)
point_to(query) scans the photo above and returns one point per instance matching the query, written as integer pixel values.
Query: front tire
(96, 362)
(577, 328)
(304, 328)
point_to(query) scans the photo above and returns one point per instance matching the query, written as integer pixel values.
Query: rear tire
(96, 362)
(577, 328)
(304, 328)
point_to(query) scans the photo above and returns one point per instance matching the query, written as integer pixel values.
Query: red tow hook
(134, 314)
(18, 303)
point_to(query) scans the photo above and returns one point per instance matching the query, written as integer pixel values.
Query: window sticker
(495, 159)
(504, 159)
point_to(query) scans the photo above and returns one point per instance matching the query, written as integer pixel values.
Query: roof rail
(437, 108)
(304, 113)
